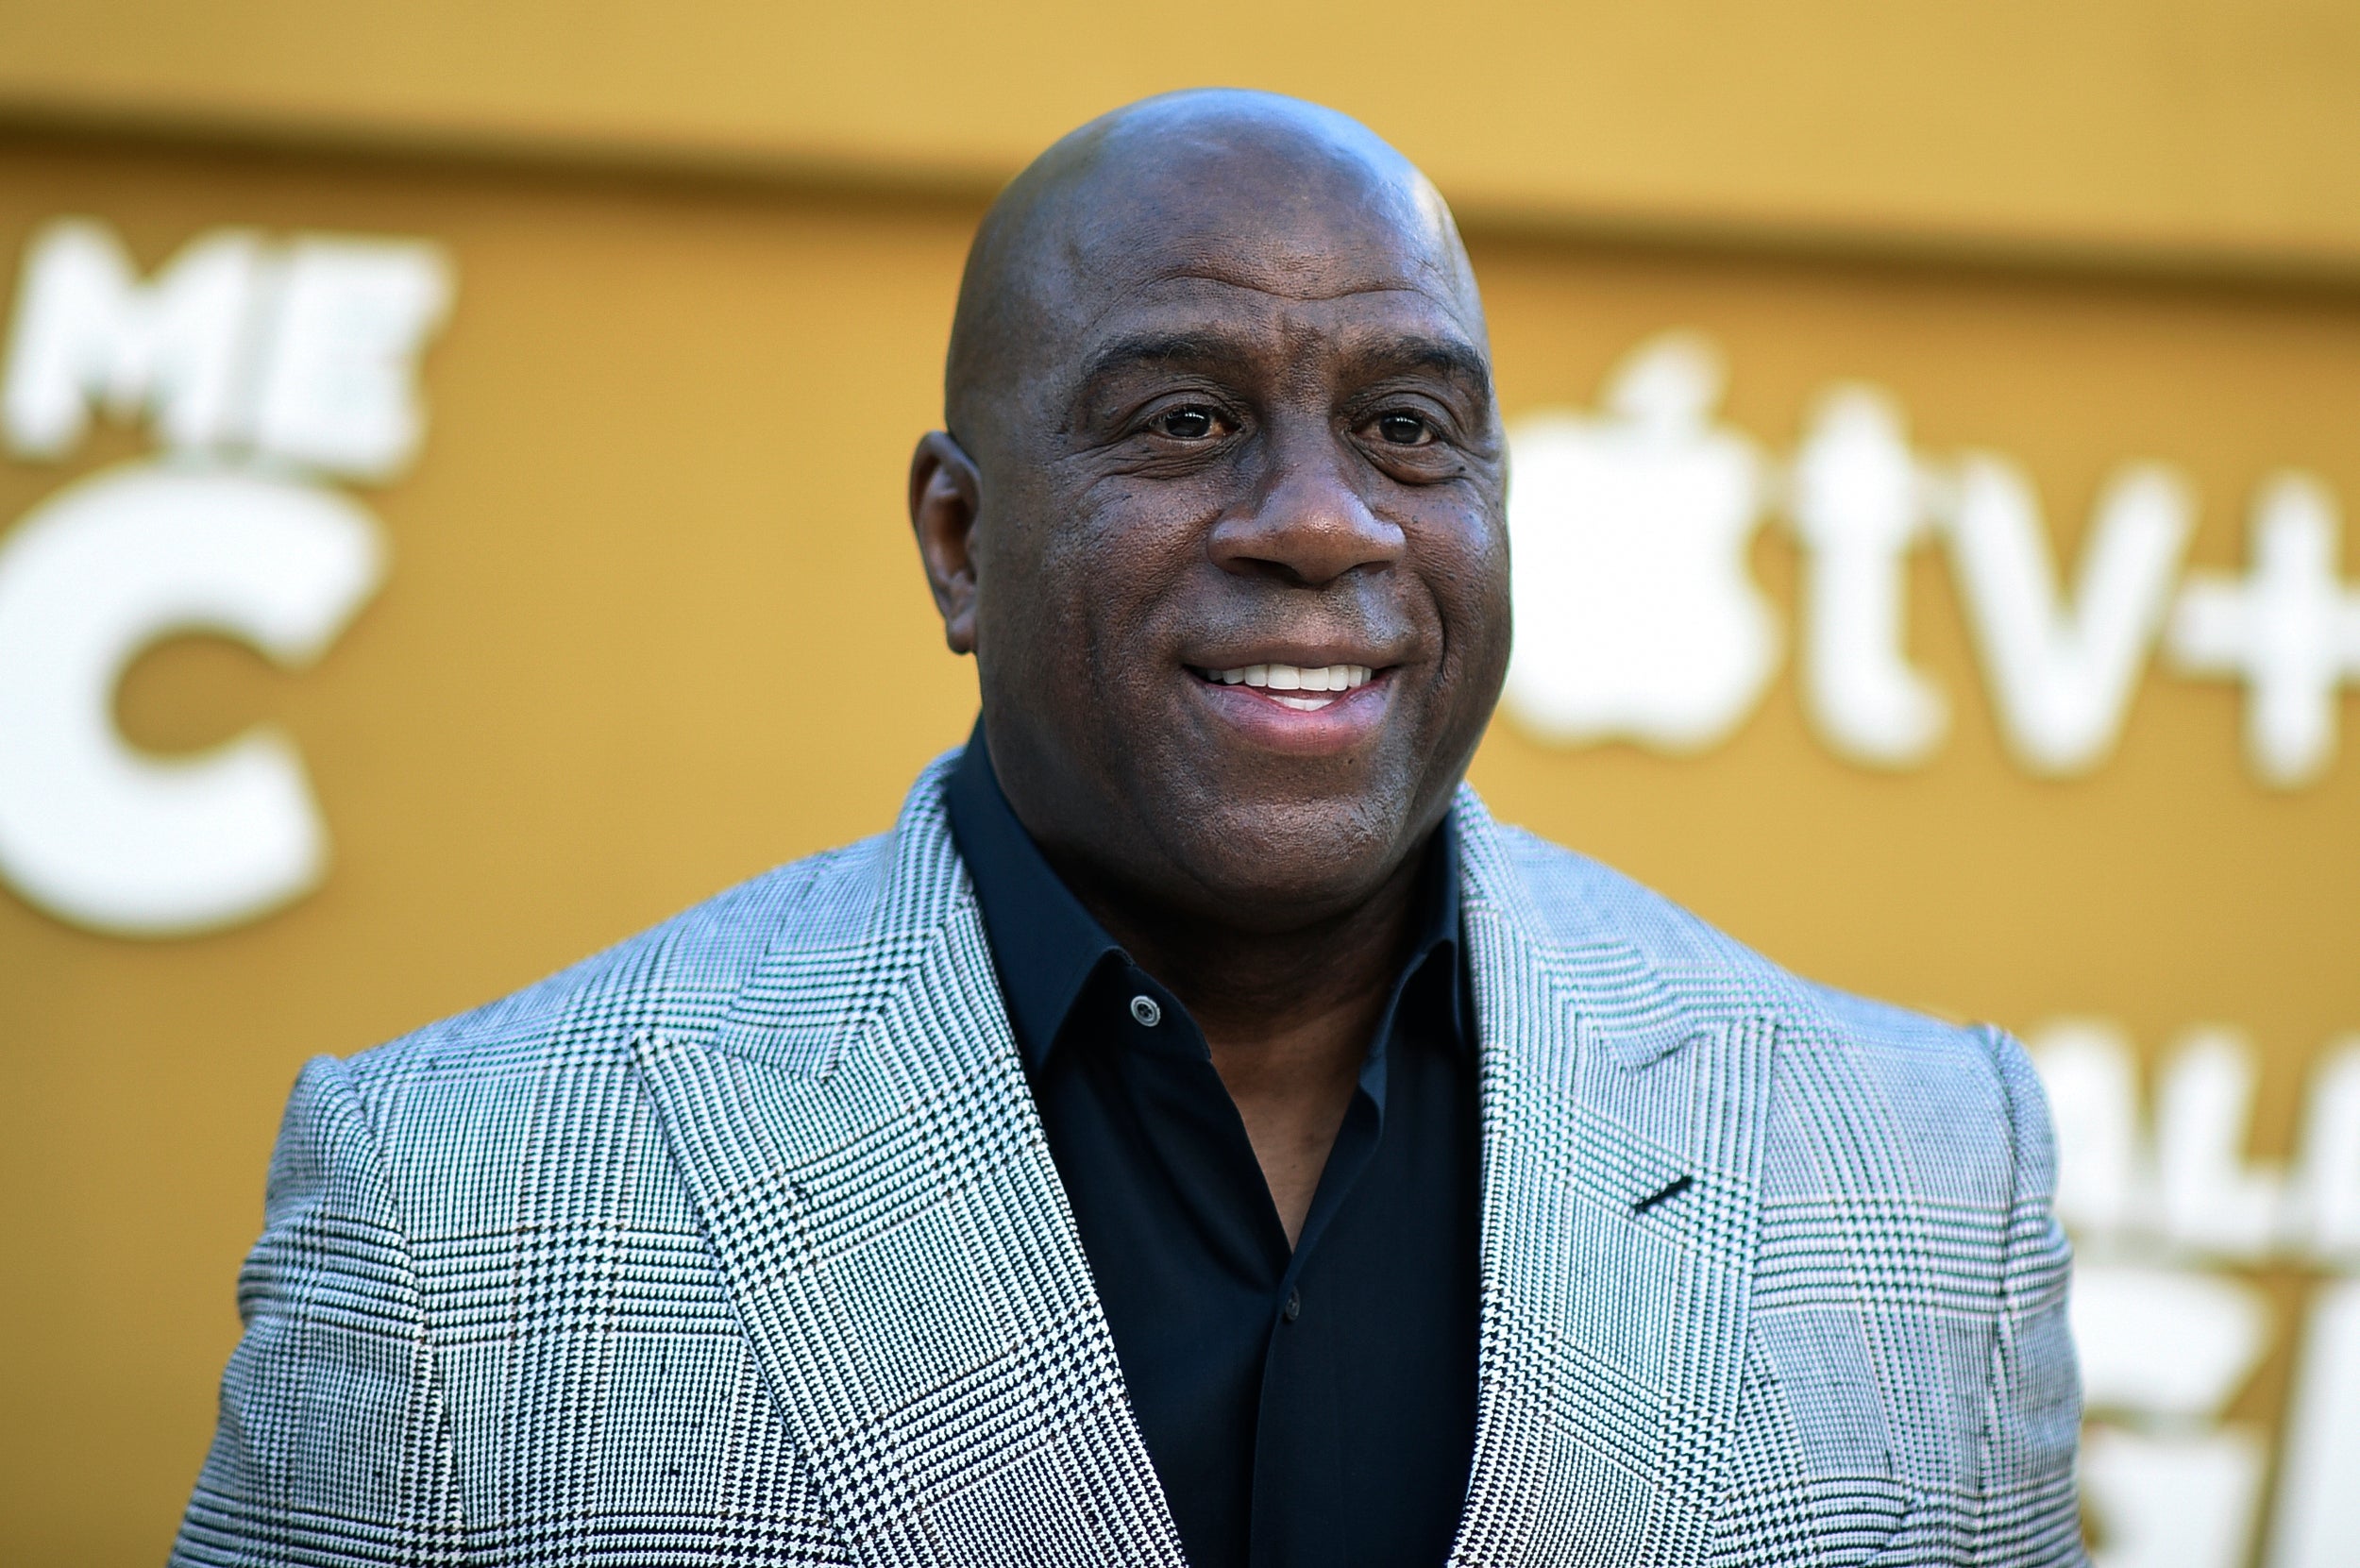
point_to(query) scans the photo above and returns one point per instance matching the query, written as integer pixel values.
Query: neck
(1247, 987)
(1287, 1013)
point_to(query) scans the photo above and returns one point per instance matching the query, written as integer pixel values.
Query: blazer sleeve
(2030, 1506)
(332, 1445)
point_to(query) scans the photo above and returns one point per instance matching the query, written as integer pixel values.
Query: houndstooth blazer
(741, 1244)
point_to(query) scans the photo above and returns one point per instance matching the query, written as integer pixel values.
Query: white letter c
(92, 830)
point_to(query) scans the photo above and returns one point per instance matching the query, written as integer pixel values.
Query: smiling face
(1235, 565)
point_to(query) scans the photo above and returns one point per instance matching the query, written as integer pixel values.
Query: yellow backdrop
(651, 622)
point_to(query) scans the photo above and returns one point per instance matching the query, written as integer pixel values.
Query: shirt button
(1294, 1308)
(1144, 1009)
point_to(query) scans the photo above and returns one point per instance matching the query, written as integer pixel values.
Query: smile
(1306, 689)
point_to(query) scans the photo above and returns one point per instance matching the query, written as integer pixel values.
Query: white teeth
(1304, 704)
(1295, 677)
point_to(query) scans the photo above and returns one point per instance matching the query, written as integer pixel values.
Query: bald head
(1274, 192)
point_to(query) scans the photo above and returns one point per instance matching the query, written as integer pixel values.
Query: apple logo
(1637, 617)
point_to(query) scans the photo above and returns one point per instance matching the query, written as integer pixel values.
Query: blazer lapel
(1619, 1146)
(861, 1148)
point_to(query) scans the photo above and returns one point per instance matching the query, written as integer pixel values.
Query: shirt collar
(1046, 947)
(1044, 944)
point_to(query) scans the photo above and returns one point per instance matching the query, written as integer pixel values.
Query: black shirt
(1304, 1407)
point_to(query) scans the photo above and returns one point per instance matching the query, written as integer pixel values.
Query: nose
(1309, 523)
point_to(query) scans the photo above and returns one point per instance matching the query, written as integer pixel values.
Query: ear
(946, 494)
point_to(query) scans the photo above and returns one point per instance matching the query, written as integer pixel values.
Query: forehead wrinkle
(1403, 242)
(1433, 346)
(1153, 243)
(1210, 271)
(1121, 297)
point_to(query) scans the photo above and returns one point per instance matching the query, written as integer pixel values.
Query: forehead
(1198, 324)
(1265, 255)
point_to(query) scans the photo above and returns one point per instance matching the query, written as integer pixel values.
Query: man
(1196, 1131)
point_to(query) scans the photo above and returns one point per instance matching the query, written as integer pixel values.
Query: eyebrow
(1148, 349)
(1451, 357)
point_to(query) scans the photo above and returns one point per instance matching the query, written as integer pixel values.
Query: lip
(1262, 721)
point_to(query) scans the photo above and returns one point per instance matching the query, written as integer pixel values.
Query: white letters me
(260, 367)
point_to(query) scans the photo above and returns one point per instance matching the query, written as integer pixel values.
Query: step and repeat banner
(414, 577)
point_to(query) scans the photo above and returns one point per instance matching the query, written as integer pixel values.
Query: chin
(1292, 859)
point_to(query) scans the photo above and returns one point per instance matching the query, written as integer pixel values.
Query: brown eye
(1404, 429)
(1186, 424)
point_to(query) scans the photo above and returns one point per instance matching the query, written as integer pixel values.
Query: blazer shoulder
(1947, 1078)
(1584, 903)
(680, 974)
(1892, 1053)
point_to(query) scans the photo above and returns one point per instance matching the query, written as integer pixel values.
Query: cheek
(1126, 561)
(1465, 566)
(1080, 600)
(1023, 586)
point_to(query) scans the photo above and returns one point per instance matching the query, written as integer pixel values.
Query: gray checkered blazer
(740, 1243)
